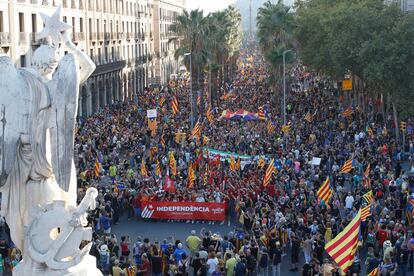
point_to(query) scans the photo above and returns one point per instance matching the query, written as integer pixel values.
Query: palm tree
(275, 25)
(191, 28)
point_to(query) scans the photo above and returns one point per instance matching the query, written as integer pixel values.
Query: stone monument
(38, 107)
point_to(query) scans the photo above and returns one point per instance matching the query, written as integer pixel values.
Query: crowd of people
(281, 221)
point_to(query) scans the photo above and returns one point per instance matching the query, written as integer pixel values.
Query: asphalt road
(158, 231)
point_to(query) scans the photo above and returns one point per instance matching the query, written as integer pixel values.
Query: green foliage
(364, 37)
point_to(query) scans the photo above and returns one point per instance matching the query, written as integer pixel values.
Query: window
(22, 60)
(81, 25)
(65, 19)
(1, 22)
(34, 23)
(73, 25)
(21, 22)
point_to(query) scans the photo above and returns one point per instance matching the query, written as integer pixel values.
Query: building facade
(122, 37)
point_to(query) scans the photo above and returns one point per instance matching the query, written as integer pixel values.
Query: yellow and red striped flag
(369, 197)
(174, 105)
(269, 172)
(173, 164)
(367, 180)
(232, 163)
(347, 167)
(348, 112)
(158, 169)
(196, 133)
(191, 175)
(374, 272)
(270, 127)
(97, 167)
(162, 140)
(205, 140)
(206, 173)
(238, 164)
(309, 117)
(261, 113)
(162, 100)
(325, 191)
(209, 115)
(366, 212)
(261, 163)
(152, 124)
(144, 171)
(286, 128)
(153, 152)
(411, 202)
(343, 247)
(198, 100)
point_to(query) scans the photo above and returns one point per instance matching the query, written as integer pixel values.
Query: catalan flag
(191, 175)
(98, 167)
(270, 127)
(261, 163)
(348, 112)
(173, 164)
(343, 247)
(366, 212)
(158, 169)
(174, 105)
(286, 128)
(152, 124)
(269, 173)
(309, 117)
(238, 164)
(370, 132)
(144, 171)
(206, 173)
(232, 163)
(198, 100)
(374, 272)
(162, 140)
(411, 203)
(367, 180)
(261, 114)
(205, 140)
(325, 191)
(347, 167)
(153, 152)
(209, 115)
(115, 185)
(196, 133)
(368, 197)
(162, 100)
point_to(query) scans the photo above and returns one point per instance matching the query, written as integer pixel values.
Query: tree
(275, 24)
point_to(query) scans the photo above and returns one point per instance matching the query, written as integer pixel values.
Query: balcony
(107, 36)
(100, 35)
(121, 36)
(143, 35)
(5, 39)
(109, 67)
(73, 4)
(45, 2)
(78, 36)
(34, 40)
(81, 5)
(23, 38)
(92, 36)
(34, 2)
(65, 3)
(131, 35)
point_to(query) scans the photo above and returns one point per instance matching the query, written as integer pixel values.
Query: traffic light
(403, 126)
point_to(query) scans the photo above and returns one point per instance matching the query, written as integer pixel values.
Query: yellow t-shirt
(193, 242)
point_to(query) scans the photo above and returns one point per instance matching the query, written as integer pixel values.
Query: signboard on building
(347, 85)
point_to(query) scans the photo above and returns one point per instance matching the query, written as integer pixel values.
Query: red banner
(183, 210)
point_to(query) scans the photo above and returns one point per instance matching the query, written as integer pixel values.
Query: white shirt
(212, 264)
(349, 200)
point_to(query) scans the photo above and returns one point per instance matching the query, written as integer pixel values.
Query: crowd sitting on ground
(283, 216)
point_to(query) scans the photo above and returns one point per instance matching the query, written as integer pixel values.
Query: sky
(209, 5)
(214, 5)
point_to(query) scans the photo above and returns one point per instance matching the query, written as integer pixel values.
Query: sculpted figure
(38, 107)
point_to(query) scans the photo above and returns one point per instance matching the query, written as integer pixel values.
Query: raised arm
(86, 65)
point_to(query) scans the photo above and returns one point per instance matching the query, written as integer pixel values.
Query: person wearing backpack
(241, 267)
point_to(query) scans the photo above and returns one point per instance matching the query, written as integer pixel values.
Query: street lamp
(191, 91)
(284, 86)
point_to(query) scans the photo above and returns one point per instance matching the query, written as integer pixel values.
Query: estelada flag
(174, 105)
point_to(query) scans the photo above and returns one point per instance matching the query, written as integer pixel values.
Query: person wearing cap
(116, 270)
(179, 254)
(193, 242)
(104, 256)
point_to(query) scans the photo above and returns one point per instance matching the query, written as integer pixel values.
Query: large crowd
(274, 223)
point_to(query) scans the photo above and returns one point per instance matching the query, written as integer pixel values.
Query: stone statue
(38, 107)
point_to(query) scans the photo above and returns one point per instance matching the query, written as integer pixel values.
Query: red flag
(169, 185)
